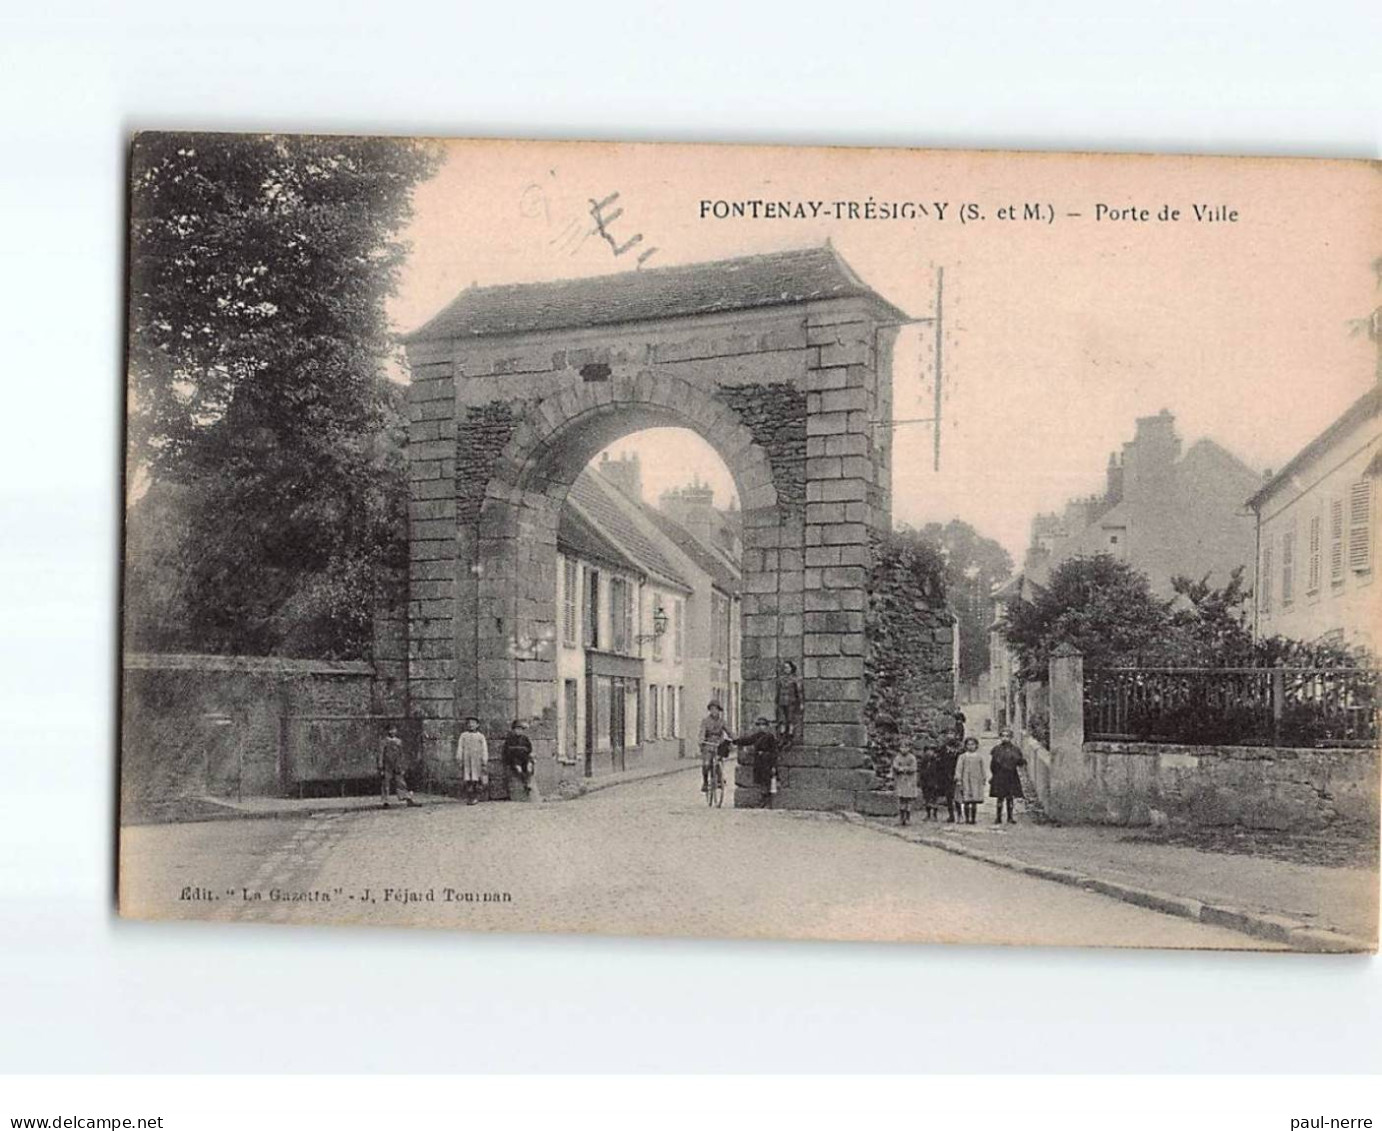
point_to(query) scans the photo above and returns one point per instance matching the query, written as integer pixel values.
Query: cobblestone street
(642, 858)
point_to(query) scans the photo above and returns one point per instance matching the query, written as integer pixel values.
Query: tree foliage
(1098, 605)
(1208, 627)
(260, 410)
(1106, 610)
(973, 566)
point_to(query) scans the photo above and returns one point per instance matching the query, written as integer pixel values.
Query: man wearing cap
(763, 741)
(518, 763)
(713, 733)
(472, 753)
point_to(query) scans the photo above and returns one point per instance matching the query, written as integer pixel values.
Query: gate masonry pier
(782, 362)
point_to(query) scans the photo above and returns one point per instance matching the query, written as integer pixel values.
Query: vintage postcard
(727, 541)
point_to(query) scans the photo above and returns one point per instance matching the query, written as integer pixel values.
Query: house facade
(636, 652)
(705, 543)
(1002, 681)
(1316, 533)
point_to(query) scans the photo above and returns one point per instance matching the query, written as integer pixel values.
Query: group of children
(955, 774)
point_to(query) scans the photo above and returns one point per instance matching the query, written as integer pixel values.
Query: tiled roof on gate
(746, 283)
(604, 509)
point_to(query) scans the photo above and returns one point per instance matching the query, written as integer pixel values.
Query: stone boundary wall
(1121, 783)
(213, 726)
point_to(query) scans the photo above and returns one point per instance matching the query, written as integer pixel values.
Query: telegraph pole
(940, 336)
(935, 418)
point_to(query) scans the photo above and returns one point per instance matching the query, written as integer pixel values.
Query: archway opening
(611, 557)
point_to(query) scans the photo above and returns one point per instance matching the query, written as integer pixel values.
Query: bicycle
(715, 783)
(715, 780)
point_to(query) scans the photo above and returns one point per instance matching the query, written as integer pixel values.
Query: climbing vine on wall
(909, 661)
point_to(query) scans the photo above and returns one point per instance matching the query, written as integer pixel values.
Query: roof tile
(745, 283)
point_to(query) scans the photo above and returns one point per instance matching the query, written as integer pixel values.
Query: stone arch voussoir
(678, 401)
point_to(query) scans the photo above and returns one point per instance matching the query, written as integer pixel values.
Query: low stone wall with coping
(1125, 783)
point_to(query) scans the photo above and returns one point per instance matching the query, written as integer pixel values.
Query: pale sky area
(1057, 335)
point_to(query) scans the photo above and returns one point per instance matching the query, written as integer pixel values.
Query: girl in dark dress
(932, 781)
(1004, 781)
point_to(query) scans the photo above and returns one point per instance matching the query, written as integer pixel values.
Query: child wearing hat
(518, 763)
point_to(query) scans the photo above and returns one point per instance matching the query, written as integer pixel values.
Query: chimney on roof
(625, 473)
(1149, 459)
(693, 506)
(1113, 483)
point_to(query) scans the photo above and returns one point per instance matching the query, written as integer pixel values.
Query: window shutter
(1288, 567)
(1314, 576)
(1336, 540)
(570, 595)
(1264, 581)
(1360, 526)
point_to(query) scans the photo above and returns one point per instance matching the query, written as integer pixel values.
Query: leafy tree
(973, 566)
(1209, 629)
(259, 407)
(1099, 605)
(1209, 626)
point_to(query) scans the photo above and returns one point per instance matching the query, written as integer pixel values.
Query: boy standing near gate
(391, 777)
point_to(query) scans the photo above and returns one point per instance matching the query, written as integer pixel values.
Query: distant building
(1316, 532)
(714, 648)
(1002, 681)
(1163, 512)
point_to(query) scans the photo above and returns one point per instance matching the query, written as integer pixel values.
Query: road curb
(595, 785)
(230, 813)
(1281, 929)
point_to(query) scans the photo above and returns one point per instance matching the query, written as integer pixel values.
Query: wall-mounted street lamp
(659, 625)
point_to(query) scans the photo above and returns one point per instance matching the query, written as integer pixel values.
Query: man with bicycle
(713, 733)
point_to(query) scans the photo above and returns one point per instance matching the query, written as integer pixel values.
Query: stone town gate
(781, 361)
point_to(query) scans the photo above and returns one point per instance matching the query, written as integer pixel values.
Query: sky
(1058, 333)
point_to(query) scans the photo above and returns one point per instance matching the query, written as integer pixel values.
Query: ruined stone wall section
(776, 417)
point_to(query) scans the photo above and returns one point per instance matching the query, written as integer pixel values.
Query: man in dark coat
(1004, 781)
(763, 742)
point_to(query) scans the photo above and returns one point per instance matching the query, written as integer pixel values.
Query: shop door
(617, 724)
